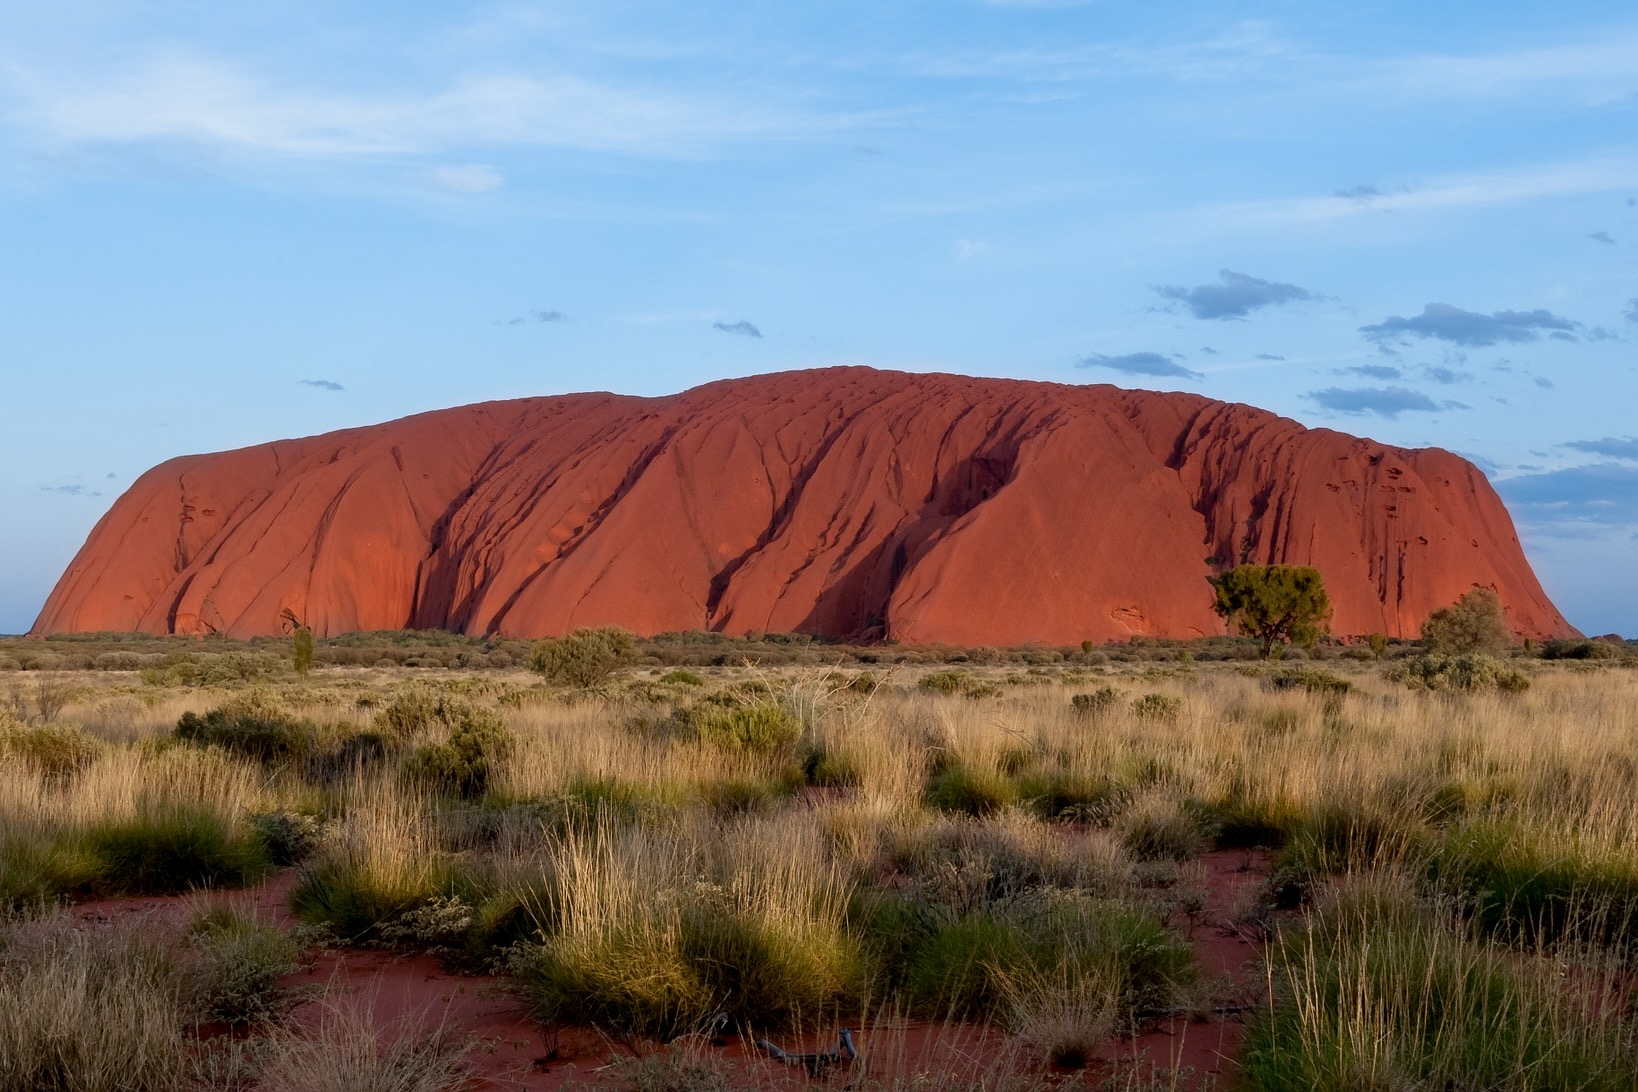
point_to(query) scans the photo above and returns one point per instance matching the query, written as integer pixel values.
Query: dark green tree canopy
(1274, 603)
(1474, 623)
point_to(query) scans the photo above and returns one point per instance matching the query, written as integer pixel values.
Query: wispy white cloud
(195, 99)
(1597, 71)
(470, 178)
(1507, 187)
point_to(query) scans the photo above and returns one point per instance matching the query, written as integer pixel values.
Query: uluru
(842, 502)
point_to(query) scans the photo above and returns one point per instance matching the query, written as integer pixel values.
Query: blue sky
(228, 223)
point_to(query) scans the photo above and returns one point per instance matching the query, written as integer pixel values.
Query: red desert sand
(842, 502)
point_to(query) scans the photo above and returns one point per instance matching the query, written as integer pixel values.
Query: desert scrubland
(762, 839)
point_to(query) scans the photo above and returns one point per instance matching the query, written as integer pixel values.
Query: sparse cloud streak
(740, 328)
(1382, 401)
(1142, 363)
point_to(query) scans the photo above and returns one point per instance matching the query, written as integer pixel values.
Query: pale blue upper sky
(228, 223)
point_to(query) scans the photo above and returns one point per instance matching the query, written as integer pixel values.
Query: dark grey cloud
(1359, 193)
(1446, 376)
(1235, 297)
(1382, 401)
(1611, 447)
(742, 328)
(1601, 237)
(75, 490)
(1138, 364)
(1447, 323)
(1598, 493)
(1373, 371)
(1543, 382)
(1269, 356)
(1213, 352)
(322, 384)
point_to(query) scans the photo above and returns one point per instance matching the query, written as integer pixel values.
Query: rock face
(843, 502)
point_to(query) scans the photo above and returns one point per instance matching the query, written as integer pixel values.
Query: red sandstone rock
(843, 501)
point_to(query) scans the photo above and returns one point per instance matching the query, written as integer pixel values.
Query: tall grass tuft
(84, 1011)
(662, 929)
(1382, 990)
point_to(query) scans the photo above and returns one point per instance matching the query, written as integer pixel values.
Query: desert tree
(1276, 604)
(1474, 623)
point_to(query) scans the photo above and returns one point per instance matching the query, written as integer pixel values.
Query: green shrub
(583, 658)
(36, 872)
(463, 764)
(742, 795)
(236, 965)
(1312, 679)
(1526, 886)
(714, 958)
(1162, 708)
(53, 751)
(825, 767)
(250, 728)
(290, 837)
(1469, 671)
(943, 682)
(1099, 702)
(1581, 649)
(757, 729)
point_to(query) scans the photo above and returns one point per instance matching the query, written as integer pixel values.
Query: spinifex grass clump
(1535, 886)
(85, 1010)
(133, 821)
(1011, 954)
(1380, 990)
(661, 929)
(172, 847)
(381, 862)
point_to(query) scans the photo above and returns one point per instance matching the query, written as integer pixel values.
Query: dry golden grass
(627, 852)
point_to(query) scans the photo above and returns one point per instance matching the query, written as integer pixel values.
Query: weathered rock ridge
(843, 502)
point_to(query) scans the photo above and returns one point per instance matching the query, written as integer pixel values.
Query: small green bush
(1468, 672)
(757, 729)
(1162, 708)
(235, 969)
(463, 764)
(963, 970)
(290, 837)
(1099, 702)
(583, 658)
(943, 682)
(1312, 679)
(1582, 649)
(250, 728)
(53, 751)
